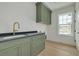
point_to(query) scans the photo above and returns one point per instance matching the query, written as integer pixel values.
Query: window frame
(65, 24)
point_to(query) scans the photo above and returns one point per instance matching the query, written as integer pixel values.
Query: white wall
(25, 13)
(52, 30)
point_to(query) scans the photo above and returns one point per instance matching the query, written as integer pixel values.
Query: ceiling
(56, 5)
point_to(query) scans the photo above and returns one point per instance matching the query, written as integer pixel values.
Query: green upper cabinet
(43, 14)
(38, 12)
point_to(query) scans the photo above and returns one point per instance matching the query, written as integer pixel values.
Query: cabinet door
(42, 41)
(46, 15)
(37, 45)
(34, 45)
(43, 14)
(24, 47)
(48, 20)
(11, 51)
(38, 12)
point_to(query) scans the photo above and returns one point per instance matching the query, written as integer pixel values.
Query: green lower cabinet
(25, 46)
(25, 50)
(37, 45)
(11, 51)
(21, 48)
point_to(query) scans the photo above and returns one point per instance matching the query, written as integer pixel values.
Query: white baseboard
(60, 43)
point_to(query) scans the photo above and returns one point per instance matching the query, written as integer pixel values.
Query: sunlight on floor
(56, 49)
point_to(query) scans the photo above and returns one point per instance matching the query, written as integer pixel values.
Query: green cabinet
(24, 46)
(38, 12)
(17, 47)
(43, 14)
(37, 44)
(11, 51)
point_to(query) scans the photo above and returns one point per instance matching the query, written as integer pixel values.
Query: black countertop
(17, 33)
(8, 38)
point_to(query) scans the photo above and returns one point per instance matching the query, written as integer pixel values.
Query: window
(65, 22)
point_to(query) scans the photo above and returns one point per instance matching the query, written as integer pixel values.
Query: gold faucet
(14, 28)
